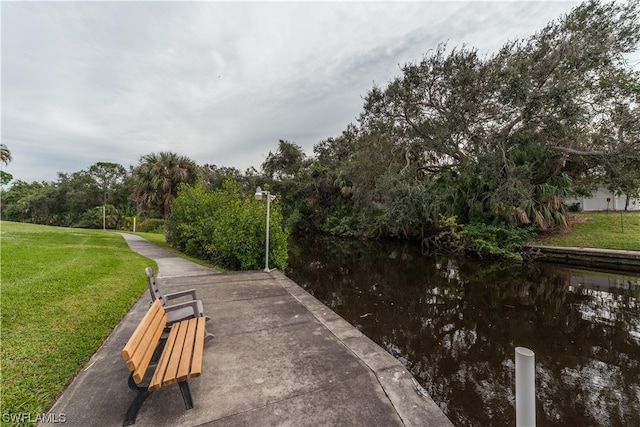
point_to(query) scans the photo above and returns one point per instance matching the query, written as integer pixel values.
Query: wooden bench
(180, 356)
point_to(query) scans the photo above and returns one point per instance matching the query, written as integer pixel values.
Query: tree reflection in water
(455, 325)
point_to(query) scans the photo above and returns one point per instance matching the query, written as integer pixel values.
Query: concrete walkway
(279, 358)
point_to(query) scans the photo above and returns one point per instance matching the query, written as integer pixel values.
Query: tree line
(147, 190)
(461, 150)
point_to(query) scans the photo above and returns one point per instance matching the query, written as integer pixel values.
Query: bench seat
(176, 358)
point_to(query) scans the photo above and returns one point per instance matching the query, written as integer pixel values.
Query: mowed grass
(63, 291)
(606, 230)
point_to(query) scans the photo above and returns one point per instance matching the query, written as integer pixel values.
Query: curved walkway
(280, 357)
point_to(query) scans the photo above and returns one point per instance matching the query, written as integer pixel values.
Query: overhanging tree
(506, 137)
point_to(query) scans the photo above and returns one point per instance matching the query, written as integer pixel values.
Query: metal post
(525, 388)
(258, 195)
(266, 255)
(134, 224)
(104, 218)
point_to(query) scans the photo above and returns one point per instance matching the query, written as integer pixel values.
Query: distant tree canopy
(73, 200)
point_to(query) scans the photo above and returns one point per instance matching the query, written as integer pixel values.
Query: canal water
(455, 325)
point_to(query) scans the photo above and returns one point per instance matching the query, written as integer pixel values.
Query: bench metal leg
(141, 395)
(186, 394)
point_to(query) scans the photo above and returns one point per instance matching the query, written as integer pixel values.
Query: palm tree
(5, 154)
(158, 177)
(5, 157)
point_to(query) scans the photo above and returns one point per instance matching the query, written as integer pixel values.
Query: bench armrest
(193, 304)
(174, 295)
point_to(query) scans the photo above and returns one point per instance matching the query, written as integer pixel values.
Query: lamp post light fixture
(258, 195)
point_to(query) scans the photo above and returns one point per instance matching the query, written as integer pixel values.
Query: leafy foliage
(510, 134)
(501, 139)
(5, 157)
(151, 225)
(73, 200)
(227, 227)
(158, 177)
(479, 240)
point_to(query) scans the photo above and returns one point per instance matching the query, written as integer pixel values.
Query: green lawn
(608, 230)
(63, 291)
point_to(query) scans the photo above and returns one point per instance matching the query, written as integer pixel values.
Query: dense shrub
(152, 225)
(227, 227)
(479, 240)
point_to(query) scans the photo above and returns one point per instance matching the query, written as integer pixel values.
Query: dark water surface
(455, 325)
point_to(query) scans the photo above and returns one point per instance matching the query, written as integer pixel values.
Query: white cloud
(219, 82)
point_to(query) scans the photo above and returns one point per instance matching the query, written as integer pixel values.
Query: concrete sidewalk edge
(396, 381)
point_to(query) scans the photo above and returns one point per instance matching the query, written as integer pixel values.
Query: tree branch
(577, 152)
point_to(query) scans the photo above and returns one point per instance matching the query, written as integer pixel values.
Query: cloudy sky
(219, 82)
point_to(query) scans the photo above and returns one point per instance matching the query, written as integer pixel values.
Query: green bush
(152, 225)
(227, 227)
(481, 240)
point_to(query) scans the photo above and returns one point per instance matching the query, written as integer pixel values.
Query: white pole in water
(525, 388)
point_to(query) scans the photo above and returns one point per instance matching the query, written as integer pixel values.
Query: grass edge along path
(63, 290)
(603, 230)
(159, 240)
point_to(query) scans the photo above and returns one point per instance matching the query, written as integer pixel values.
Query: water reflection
(455, 326)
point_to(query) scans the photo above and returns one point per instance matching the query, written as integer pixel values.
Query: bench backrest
(140, 348)
(154, 290)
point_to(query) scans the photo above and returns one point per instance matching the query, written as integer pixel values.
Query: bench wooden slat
(148, 341)
(176, 351)
(198, 349)
(158, 375)
(155, 332)
(184, 367)
(129, 349)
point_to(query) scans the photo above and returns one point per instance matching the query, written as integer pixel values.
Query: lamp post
(258, 195)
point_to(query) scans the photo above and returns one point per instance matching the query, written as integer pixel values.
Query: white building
(602, 200)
